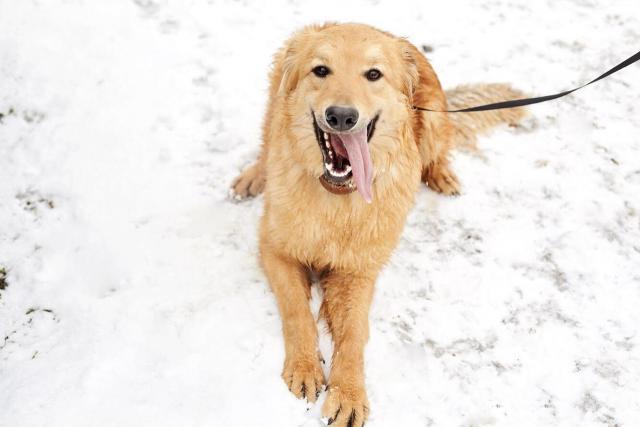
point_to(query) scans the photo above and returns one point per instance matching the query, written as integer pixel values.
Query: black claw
(335, 416)
(304, 391)
(352, 419)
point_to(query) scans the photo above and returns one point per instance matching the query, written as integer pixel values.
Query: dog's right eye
(321, 71)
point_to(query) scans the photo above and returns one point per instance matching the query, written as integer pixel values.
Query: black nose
(341, 118)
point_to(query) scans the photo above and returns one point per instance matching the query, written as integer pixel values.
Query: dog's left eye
(321, 71)
(373, 74)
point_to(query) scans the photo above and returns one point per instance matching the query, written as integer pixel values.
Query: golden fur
(341, 238)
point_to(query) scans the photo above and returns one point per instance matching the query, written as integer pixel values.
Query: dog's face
(348, 91)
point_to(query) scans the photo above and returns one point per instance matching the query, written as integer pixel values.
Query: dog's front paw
(304, 377)
(249, 183)
(346, 405)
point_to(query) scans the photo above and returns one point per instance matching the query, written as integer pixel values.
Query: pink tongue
(361, 166)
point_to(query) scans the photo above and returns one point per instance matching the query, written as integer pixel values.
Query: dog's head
(348, 90)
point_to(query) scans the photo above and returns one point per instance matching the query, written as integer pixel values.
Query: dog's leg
(434, 132)
(250, 182)
(302, 371)
(439, 177)
(435, 144)
(346, 309)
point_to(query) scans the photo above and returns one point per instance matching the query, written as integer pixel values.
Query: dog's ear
(421, 85)
(411, 75)
(289, 70)
(289, 62)
(424, 90)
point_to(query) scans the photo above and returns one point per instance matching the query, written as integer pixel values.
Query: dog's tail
(468, 125)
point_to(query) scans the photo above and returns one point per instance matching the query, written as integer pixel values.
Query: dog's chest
(339, 235)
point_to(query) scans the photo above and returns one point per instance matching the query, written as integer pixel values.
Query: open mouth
(346, 161)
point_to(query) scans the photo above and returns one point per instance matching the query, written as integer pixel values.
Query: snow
(133, 293)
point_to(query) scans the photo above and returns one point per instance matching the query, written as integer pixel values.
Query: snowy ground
(133, 295)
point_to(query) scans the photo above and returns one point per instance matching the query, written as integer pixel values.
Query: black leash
(529, 101)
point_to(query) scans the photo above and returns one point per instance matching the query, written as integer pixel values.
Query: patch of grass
(3, 276)
(34, 309)
(3, 280)
(427, 48)
(32, 200)
(10, 112)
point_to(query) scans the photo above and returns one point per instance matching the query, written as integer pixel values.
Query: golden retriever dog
(342, 158)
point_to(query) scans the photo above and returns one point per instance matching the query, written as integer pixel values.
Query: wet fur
(340, 237)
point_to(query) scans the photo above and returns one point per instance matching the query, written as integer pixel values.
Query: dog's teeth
(338, 174)
(326, 137)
